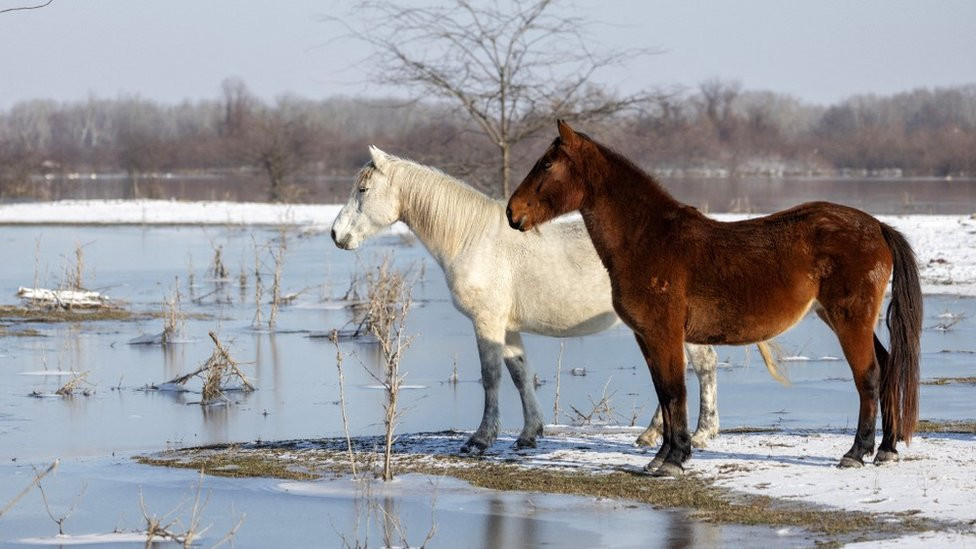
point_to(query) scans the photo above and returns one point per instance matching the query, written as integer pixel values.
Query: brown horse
(677, 276)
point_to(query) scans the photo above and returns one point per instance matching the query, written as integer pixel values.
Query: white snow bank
(92, 539)
(166, 212)
(945, 244)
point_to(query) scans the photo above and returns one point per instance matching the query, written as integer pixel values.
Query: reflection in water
(215, 422)
(510, 529)
(174, 360)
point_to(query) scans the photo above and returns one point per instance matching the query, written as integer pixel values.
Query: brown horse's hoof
(668, 469)
(654, 464)
(885, 456)
(848, 462)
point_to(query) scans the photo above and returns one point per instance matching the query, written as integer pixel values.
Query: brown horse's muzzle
(518, 218)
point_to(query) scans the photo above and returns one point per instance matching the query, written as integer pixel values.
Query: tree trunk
(506, 169)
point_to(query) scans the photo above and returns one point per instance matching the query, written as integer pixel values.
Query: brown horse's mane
(625, 171)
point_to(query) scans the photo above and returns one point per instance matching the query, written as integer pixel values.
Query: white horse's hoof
(523, 443)
(474, 448)
(649, 440)
(700, 440)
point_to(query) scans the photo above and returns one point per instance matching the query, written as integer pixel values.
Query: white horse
(494, 284)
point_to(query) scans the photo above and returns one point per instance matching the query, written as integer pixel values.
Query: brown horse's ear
(566, 134)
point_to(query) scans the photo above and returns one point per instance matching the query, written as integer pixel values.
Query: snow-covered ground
(935, 477)
(945, 244)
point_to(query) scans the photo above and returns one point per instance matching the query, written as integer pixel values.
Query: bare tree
(281, 142)
(510, 66)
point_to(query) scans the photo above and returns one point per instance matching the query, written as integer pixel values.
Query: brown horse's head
(555, 184)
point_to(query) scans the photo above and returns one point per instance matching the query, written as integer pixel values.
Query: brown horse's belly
(715, 326)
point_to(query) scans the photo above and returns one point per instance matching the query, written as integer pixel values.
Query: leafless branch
(24, 8)
(36, 482)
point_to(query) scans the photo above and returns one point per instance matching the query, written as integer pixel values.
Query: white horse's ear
(380, 159)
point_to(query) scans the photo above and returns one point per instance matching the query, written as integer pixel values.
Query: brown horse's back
(794, 255)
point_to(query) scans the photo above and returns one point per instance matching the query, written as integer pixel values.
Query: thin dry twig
(36, 482)
(334, 338)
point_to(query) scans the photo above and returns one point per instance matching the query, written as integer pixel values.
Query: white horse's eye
(363, 189)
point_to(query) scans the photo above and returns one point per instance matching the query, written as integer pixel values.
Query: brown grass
(936, 426)
(949, 381)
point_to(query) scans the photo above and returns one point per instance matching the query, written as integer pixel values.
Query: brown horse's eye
(547, 164)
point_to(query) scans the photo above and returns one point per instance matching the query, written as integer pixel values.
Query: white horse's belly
(568, 327)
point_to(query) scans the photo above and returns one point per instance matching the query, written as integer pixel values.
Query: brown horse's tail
(899, 377)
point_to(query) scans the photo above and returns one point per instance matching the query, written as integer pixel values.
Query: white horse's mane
(445, 212)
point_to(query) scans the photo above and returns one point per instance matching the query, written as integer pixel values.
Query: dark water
(742, 194)
(298, 390)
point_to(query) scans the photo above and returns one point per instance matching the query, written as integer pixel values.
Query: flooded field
(295, 373)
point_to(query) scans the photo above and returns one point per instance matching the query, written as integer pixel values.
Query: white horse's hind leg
(704, 360)
(524, 378)
(490, 351)
(652, 435)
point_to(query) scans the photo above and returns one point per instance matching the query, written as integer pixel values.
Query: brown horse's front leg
(665, 360)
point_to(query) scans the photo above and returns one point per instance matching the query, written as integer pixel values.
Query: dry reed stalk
(217, 268)
(78, 282)
(278, 255)
(174, 320)
(559, 369)
(59, 520)
(388, 305)
(602, 409)
(258, 285)
(334, 338)
(71, 386)
(36, 482)
(216, 372)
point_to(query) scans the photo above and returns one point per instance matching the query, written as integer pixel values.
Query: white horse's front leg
(490, 351)
(705, 361)
(524, 378)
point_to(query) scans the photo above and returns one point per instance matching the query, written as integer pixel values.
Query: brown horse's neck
(623, 203)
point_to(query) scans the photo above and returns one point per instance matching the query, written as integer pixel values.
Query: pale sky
(170, 50)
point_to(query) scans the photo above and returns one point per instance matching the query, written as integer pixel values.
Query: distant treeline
(716, 129)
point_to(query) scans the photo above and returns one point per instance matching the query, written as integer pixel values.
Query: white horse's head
(373, 206)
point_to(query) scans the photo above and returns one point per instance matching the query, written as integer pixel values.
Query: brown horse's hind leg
(667, 373)
(887, 451)
(856, 338)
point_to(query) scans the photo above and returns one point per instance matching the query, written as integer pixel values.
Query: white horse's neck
(447, 215)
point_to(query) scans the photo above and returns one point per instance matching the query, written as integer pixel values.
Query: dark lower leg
(889, 417)
(867, 388)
